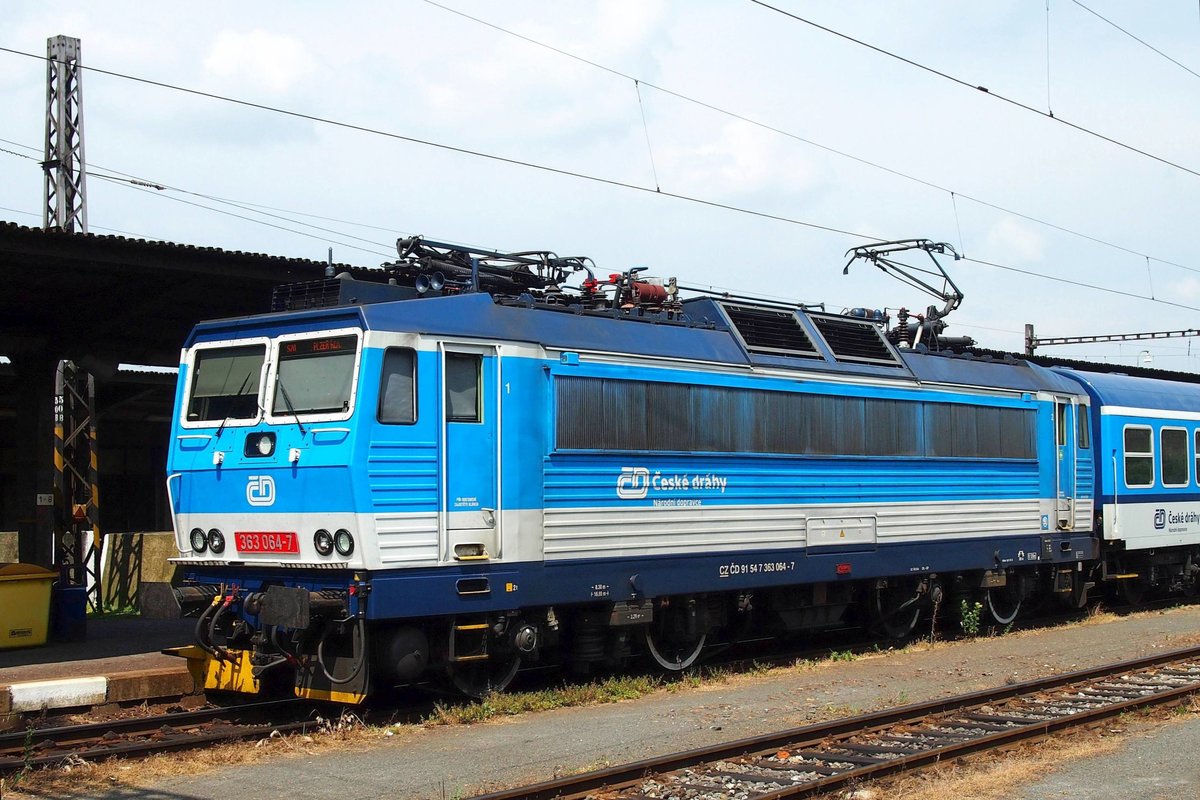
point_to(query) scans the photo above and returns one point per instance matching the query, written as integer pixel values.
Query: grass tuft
(609, 690)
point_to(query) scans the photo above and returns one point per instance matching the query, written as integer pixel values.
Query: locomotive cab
(260, 481)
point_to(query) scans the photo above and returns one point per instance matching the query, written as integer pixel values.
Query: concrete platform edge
(119, 687)
(61, 693)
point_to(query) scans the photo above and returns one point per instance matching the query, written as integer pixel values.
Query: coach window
(1173, 444)
(1196, 451)
(1139, 456)
(463, 393)
(1061, 423)
(398, 387)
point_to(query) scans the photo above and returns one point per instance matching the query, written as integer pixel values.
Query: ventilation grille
(854, 340)
(766, 330)
(309, 294)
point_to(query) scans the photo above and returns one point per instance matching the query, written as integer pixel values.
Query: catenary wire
(811, 142)
(244, 205)
(993, 264)
(90, 227)
(134, 180)
(456, 149)
(983, 89)
(1137, 39)
(1082, 284)
(544, 168)
(125, 183)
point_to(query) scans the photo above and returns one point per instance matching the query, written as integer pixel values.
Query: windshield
(315, 376)
(225, 382)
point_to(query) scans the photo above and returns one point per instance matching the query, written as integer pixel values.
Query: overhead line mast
(65, 206)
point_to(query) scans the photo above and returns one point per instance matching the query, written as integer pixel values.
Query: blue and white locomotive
(472, 467)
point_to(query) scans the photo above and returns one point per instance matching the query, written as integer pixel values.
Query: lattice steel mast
(65, 167)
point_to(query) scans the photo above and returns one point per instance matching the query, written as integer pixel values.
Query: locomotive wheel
(673, 653)
(1003, 603)
(896, 610)
(478, 679)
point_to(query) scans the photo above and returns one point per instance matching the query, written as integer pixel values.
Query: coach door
(470, 453)
(1065, 431)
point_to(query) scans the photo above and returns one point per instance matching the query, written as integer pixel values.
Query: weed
(933, 617)
(842, 655)
(969, 615)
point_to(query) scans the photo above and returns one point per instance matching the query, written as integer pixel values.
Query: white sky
(413, 69)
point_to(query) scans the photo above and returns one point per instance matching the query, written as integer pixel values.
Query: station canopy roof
(113, 299)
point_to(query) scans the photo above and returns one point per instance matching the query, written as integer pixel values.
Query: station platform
(119, 662)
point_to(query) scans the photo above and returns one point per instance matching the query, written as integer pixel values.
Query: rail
(817, 758)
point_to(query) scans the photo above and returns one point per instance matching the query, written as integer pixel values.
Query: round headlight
(216, 541)
(344, 542)
(199, 540)
(323, 541)
(266, 444)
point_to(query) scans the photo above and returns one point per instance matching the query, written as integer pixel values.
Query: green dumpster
(24, 604)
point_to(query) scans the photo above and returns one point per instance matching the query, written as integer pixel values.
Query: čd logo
(260, 490)
(1160, 518)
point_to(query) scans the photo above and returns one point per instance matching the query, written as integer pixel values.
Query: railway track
(153, 734)
(818, 758)
(142, 736)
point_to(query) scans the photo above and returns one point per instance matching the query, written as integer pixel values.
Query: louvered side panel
(403, 481)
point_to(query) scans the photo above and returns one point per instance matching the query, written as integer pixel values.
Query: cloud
(738, 159)
(1011, 240)
(259, 58)
(1185, 290)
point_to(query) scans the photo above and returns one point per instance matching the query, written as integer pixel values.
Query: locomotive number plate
(266, 542)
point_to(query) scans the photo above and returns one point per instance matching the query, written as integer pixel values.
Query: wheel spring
(589, 644)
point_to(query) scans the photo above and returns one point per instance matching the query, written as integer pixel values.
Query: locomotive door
(1065, 411)
(470, 517)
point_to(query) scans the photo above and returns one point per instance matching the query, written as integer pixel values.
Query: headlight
(199, 540)
(259, 444)
(216, 541)
(344, 542)
(323, 541)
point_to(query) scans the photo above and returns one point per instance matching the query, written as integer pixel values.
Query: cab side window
(398, 387)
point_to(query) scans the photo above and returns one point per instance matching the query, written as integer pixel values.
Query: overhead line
(1143, 42)
(135, 181)
(967, 84)
(541, 167)
(1081, 284)
(238, 216)
(812, 143)
(449, 148)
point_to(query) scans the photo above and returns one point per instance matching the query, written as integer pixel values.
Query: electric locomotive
(499, 459)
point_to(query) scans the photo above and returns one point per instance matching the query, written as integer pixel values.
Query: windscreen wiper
(238, 393)
(287, 399)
